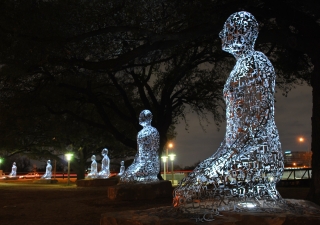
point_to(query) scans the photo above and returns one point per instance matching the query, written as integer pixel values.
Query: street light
(164, 159)
(170, 145)
(308, 154)
(172, 158)
(69, 156)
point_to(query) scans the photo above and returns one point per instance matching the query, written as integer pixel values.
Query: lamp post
(69, 156)
(164, 159)
(172, 158)
(308, 154)
(170, 145)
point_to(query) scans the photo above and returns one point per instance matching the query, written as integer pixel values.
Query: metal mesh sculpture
(122, 169)
(48, 173)
(146, 164)
(105, 165)
(13, 170)
(94, 168)
(243, 172)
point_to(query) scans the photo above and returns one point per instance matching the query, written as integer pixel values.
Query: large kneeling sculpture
(243, 172)
(146, 164)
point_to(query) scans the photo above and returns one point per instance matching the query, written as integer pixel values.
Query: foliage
(80, 72)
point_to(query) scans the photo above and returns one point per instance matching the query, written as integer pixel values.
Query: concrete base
(168, 216)
(139, 191)
(45, 181)
(111, 181)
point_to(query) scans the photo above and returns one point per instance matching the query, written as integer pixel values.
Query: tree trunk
(79, 167)
(314, 193)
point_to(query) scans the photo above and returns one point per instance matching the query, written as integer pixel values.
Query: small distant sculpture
(146, 164)
(13, 170)
(105, 164)
(94, 168)
(243, 172)
(122, 169)
(48, 173)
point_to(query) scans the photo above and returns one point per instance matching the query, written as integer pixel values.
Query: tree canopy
(81, 71)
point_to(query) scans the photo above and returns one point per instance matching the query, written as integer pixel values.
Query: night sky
(293, 119)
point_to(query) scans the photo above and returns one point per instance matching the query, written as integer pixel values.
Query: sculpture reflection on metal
(243, 172)
(146, 164)
(105, 164)
(13, 170)
(94, 168)
(48, 173)
(122, 169)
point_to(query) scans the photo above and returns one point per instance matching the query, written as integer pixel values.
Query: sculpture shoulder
(261, 61)
(148, 130)
(256, 63)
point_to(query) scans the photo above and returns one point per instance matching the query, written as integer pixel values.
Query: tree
(110, 99)
(114, 59)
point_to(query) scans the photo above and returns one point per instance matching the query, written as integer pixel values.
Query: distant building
(297, 159)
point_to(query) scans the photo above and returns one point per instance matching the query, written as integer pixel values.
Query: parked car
(30, 176)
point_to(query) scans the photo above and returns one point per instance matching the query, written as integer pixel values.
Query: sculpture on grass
(105, 164)
(13, 170)
(48, 173)
(146, 164)
(94, 168)
(243, 172)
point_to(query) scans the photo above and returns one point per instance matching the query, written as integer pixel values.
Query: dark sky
(293, 119)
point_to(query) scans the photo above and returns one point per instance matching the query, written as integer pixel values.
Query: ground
(22, 202)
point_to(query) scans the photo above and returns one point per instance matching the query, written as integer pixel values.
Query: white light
(164, 158)
(171, 156)
(69, 156)
(247, 204)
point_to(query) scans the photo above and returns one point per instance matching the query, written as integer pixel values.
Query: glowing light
(69, 156)
(247, 204)
(170, 145)
(146, 164)
(171, 156)
(164, 158)
(301, 139)
(251, 150)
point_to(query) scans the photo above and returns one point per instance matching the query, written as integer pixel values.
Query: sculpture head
(49, 161)
(104, 152)
(14, 163)
(122, 163)
(239, 33)
(145, 118)
(93, 157)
